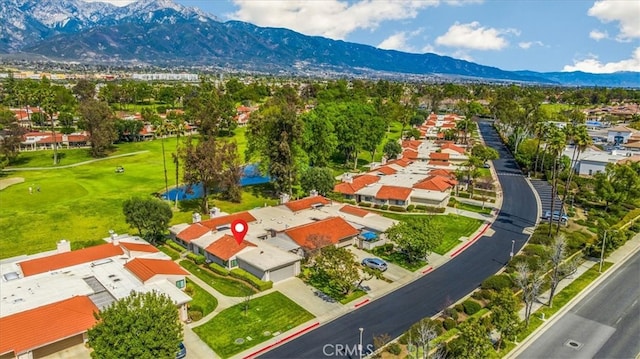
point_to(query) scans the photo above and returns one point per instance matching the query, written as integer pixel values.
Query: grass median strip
(224, 285)
(248, 324)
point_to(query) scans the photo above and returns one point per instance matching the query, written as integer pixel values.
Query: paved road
(606, 324)
(395, 312)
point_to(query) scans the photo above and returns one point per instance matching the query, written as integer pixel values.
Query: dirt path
(6, 182)
(73, 164)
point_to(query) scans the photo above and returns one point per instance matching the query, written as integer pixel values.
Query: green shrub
(451, 313)
(397, 209)
(161, 109)
(196, 258)
(175, 246)
(384, 207)
(471, 307)
(431, 209)
(394, 348)
(218, 269)
(464, 195)
(251, 279)
(377, 206)
(365, 204)
(410, 207)
(497, 282)
(449, 324)
(459, 308)
(350, 201)
(195, 307)
(195, 315)
(421, 207)
(535, 250)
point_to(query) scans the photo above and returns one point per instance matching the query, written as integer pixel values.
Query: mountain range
(163, 33)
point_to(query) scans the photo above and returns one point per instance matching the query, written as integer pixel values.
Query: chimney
(284, 198)
(313, 193)
(213, 212)
(196, 217)
(63, 246)
(114, 237)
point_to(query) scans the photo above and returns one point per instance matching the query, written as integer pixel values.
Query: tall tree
(504, 315)
(214, 165)
(555, 147)
(98, 120)
(485, 153)
(150, 216)
(178, 126)
(275, 136)
(319, 138)
(162, 129)
(142, 325)
(473, 341)
(530, 282)
(392, 149)
(84, 90)
(211, 109)
(415, 238)
(320, 179)
(338, 269)
(560, 269)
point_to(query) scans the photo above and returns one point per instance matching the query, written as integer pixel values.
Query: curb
(280, 341)
(549, 322)
(361, 303)
(472, 241)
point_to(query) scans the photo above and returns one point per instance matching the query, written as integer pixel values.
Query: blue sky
(542, 35)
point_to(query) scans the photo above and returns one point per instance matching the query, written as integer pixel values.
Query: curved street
(396, 312)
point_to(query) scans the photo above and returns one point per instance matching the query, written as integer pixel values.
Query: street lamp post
(360, 345)
(513, 244)
(604, 239)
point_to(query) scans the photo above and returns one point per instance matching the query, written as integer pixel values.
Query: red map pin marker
(239, 229)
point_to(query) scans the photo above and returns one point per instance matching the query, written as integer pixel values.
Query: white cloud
(594, 65)
(399, 41)
(598, 35)
(329, 18)
(462, 55)
(462, 2)
(476, 37)
(625, 12)
(113, 2)
(528, 44)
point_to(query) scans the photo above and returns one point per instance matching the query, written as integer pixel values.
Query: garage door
(57, 346)
(282, 273)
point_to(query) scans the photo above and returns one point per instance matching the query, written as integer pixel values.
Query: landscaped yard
(234, 330)
(169, 251)
(225, 285)
(452, 226)
(472, 208)
(202, 299)
(81, 204)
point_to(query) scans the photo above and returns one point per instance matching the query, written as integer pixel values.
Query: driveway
(394, 272)
(307, 297)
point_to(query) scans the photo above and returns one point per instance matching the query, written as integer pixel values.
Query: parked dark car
(375, 263)
(182, 351)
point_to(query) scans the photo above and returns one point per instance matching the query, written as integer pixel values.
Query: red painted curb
(471, 241)
(427, 270)
(362, 303)
(281, 341)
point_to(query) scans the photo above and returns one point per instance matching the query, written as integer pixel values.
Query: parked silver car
(375, 263)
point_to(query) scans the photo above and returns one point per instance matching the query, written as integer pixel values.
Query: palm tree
(162, 129)
(178, 126)
(555, 146)
(581, 141)
(541, 131)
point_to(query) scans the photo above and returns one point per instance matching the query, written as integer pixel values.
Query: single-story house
(330, 231)
(224, 251)
(269, 264)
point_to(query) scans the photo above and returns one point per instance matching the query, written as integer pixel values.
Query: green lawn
(453, 227)
(353, 296)
(202, 298)
(83, 203)
(472, 208)
(225, 285)
(266, 315)
(399, 259)
(169, 251)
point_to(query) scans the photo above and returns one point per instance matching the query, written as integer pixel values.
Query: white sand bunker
(6, 182)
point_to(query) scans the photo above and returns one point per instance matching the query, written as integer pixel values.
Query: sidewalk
(617, 257)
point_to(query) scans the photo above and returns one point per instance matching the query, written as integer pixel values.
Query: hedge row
(251, 279)
(175, 246)
(196, 258)
(430, 209)
(627, 218)
(218, 269)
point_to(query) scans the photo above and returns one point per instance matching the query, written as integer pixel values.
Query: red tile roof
(440, 135)
(438, 156)
(139, 247)
(306, 203)
(227, 247)
(354, 211)
(412, 144)
(334, 229)
(68, 259)
(47, 324)
(216, 222)
(448, 125)
(409, 154)
(436, 183)
(146, 268)
(194, 231)
(357, 184)
(400, 162)
(385, 170)
(393, 192)
(451, 146)
(442, 172)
